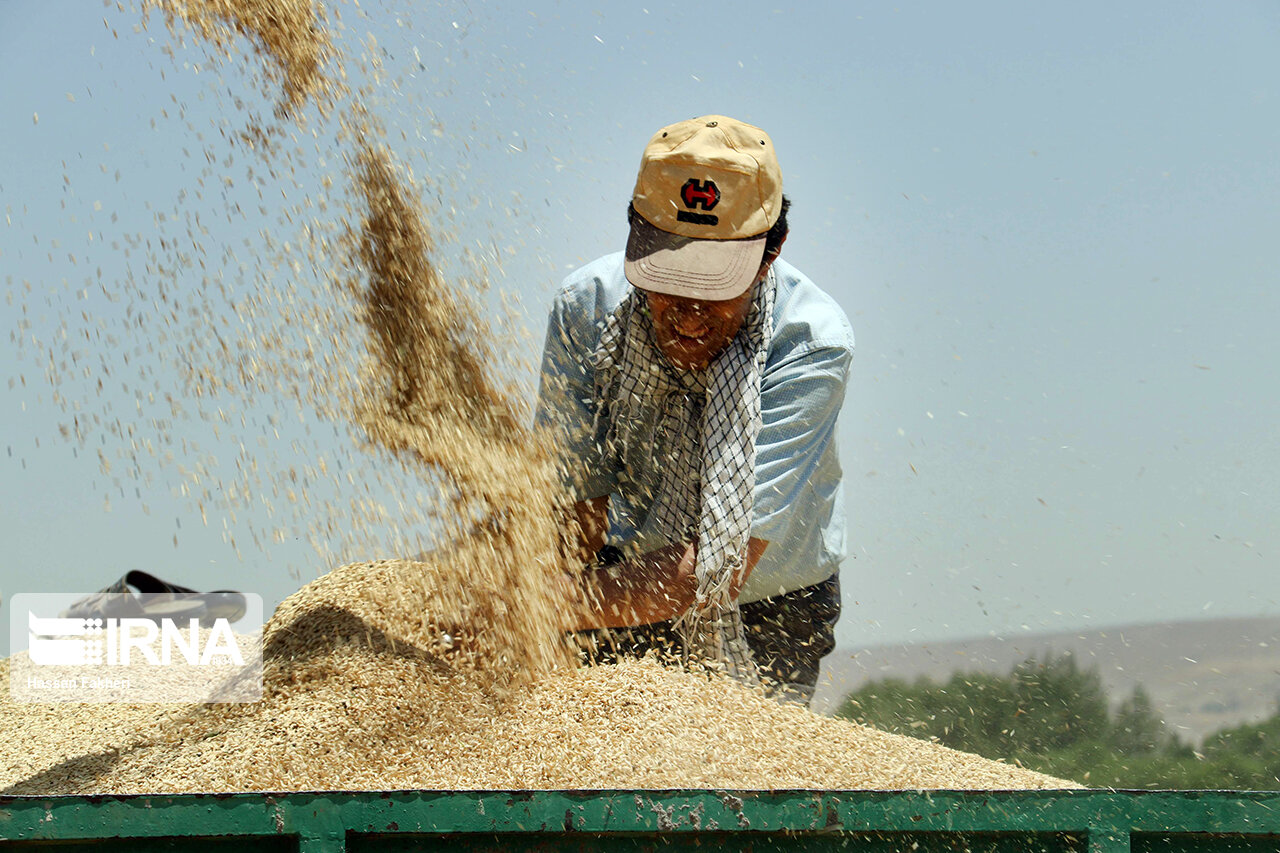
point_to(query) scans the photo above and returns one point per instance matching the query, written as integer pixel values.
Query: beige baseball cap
(708, 191)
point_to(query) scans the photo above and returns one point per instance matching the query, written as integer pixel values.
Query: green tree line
(1054, 716)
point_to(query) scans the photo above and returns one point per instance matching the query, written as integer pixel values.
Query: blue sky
(1052, 228)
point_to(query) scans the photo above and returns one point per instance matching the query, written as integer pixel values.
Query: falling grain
(291, 34)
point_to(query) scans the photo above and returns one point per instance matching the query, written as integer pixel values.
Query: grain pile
(359, 697)
(452, 671)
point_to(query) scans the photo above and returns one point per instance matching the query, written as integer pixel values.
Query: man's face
(692, 332)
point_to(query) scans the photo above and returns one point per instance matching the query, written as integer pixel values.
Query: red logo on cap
(696, 193)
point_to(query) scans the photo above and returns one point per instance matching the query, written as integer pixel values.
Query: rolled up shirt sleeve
(795, 453)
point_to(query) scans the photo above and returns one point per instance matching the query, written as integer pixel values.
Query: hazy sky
(1053, 228)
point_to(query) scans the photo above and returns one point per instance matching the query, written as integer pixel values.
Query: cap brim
(669, 263)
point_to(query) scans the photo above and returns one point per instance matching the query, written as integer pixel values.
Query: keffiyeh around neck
(707, 441)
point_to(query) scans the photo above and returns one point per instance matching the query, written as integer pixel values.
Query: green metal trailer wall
(403, 821)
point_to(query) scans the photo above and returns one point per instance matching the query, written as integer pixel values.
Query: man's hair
(772, 240)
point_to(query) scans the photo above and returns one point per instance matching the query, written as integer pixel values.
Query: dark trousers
(789, 635)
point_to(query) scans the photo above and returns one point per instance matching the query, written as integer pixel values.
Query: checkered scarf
(706, 435)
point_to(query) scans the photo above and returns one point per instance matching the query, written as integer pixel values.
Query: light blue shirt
(799, 498)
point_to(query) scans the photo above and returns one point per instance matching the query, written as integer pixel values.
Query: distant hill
(1201, 675)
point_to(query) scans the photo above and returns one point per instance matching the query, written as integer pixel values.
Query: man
(695, 382)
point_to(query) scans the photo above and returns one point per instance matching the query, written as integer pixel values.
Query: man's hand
(655, 587)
